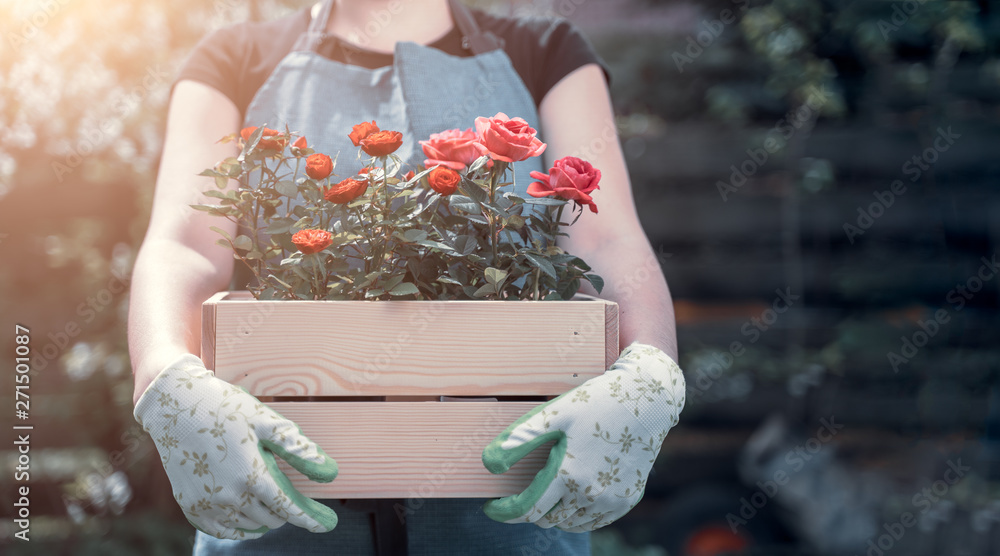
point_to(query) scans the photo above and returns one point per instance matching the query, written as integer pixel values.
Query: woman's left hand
(607, 434)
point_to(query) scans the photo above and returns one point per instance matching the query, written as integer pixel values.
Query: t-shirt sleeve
(565, 49)
(216, 62)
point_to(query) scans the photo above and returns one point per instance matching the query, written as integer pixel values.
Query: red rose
(382, 143)
(345, 191)
(312, 241)
(507, 139)
(444, 180)
(364, 170)
(265, 143)
(454, 148)
(362, 130)
(569, 178)
(318, 166)
(300, 144)
(409, 175)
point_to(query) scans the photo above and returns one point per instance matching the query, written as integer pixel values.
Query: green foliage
(397, 239)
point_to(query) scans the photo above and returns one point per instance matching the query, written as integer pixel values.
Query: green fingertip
(513, 507)
(322, 514)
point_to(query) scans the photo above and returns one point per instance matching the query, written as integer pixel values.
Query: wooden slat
(611, 347)
(208, 335)
(412, 348)
(410, 449)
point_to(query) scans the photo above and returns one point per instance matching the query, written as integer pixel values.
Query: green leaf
(463, 203)
(485, 290)
(448, 280)
(221, 182)
(222, 232)
(542, 263)
(595, 281)
(374, 292)
(243, 242)
(287, 188)
(391, 282)
(406, 288)
(474, 191)
(414, 235)
(547, 201)
(280, 225)
(495, 276)
(466, 245)
(479, 163)
(434, 244)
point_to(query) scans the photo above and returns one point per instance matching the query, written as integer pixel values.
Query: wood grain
(412, 348)
(410, 449)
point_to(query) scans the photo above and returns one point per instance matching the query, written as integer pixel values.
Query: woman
(418, 66)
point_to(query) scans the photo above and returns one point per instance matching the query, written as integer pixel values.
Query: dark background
(698, 91)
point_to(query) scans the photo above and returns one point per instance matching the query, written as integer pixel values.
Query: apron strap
(316, 33)
(473, 38)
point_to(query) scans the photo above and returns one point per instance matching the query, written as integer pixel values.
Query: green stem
(490, 217)
(538, 276)
(557, 223)
(316, 286)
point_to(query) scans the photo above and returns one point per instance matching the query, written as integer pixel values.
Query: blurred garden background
(820, 179)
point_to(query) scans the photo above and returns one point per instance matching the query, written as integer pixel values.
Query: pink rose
(507, 139)
(453, 149)
(569, 178)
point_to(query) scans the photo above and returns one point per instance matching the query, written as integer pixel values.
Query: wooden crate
(364, 379)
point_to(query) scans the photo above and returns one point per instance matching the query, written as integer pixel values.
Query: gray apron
(424, 91)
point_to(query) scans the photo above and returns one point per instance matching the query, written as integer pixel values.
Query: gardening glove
(607, 434)
(218, 443)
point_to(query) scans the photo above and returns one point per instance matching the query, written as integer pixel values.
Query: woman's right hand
(217, 444)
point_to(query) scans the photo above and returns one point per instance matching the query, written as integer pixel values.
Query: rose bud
(362, 130)
(444, 180)
(345, 191)
(318, 166)
(382, 143)
(312, 241)
(569, 178)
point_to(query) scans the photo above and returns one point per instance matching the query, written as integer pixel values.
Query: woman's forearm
(170, 281)
(633, 279)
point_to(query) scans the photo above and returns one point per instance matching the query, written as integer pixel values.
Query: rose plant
(450, 229)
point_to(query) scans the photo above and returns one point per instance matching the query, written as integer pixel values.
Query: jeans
(453, 526)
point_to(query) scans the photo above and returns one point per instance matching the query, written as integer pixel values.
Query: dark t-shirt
(238, 59)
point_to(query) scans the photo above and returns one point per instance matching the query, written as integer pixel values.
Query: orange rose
(362, 130)
(318, 166)
(345, 191)
(382, 143)
(409, 175)
(444, 180)
(265, 143)
(312, 241)
(300, 144)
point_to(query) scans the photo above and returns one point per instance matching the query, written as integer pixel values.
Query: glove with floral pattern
(217, 444)
(607, 433)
